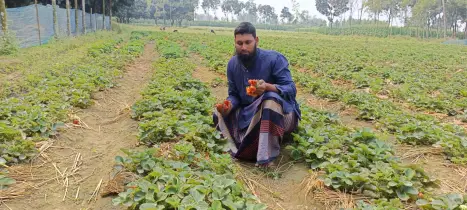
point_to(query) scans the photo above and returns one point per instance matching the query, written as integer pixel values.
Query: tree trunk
(444, 17)
(54, 12)
(76, 18)
(90, 20)
(361, 13)
(83, 7)
(103, 14)
(3, 16)
(68, 24)
(38, 24)
(110, 15)
(465, 30)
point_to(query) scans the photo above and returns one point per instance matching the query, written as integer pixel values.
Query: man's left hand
(261, 87)
(264, 87)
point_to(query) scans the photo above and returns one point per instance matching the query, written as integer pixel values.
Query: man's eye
(248, 42)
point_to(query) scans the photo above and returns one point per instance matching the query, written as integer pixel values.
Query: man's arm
(233, 97)
(284, 83)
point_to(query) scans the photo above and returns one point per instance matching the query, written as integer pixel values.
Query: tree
(296, 10)
(251, 11)
(375, 7)
(332, 8)
(392, 8)
(285, 14)
(208, 5)
(267, 14)
(305, 16)
(227, 7)
(3, 16)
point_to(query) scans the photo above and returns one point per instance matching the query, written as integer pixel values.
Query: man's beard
(246, 59)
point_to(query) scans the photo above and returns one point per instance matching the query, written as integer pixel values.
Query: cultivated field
(123, 120)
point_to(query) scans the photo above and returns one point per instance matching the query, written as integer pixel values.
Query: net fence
(22, 21)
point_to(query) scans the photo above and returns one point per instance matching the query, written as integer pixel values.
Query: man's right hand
(224, 108)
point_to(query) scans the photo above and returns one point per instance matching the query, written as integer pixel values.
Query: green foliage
(355, 161)
(8, 43)
(176, 106)
(35, 107)
(444, 202)
(380, 204)
(184, 179)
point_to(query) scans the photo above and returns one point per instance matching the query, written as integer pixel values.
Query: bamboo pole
(3, 16)
(76, 18)
(54, 11)
(103, 14)
(83, 7)
(38, 23)
(110, 15)
(90, 20)
(68, 24)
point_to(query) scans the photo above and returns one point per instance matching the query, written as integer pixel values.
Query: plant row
(193, 173)
(411, 128)
(36, 108)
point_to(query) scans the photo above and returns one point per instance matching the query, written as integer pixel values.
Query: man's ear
(257, 41)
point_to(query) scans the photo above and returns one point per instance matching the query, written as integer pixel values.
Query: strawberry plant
(185, 179)
(37, 104)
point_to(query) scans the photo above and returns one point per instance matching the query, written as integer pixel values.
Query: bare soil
(73, 169)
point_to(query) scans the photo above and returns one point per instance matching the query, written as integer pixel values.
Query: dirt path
(81, 158)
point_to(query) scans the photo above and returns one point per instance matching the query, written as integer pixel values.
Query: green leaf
(320, 154)
(402, 195)
(422, 202)
(411, 190)
(197, 196)
(173, 201)
(216, 205)
(5, 181)
(119, 159)
(257, 206)
(392, 184)
(150, 206)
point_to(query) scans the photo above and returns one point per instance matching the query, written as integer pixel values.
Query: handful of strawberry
(223, 107)
(251, 90)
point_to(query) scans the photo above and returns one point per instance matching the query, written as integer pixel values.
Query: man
(255, 122)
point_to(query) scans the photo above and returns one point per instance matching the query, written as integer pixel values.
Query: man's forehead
(244, 36)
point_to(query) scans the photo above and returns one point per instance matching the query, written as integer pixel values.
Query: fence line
(22, 21)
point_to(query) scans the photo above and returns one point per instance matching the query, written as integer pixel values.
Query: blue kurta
(270, 66)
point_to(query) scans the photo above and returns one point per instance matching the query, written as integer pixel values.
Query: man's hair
(245, 28)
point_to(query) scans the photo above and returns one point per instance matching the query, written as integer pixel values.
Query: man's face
(245, 46)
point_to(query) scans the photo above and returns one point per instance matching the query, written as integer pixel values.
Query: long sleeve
(233, 97)
(283, 79)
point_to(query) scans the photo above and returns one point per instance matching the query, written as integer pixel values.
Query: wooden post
(83, 7)
(38, 24)
(103, 14)
(76, 18)
(110, 15)
(90, 20)
(68, 24)
(3, 16)
(95, 20)
(54, 11)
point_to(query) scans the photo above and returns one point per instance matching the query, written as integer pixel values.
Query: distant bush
(8, 43)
